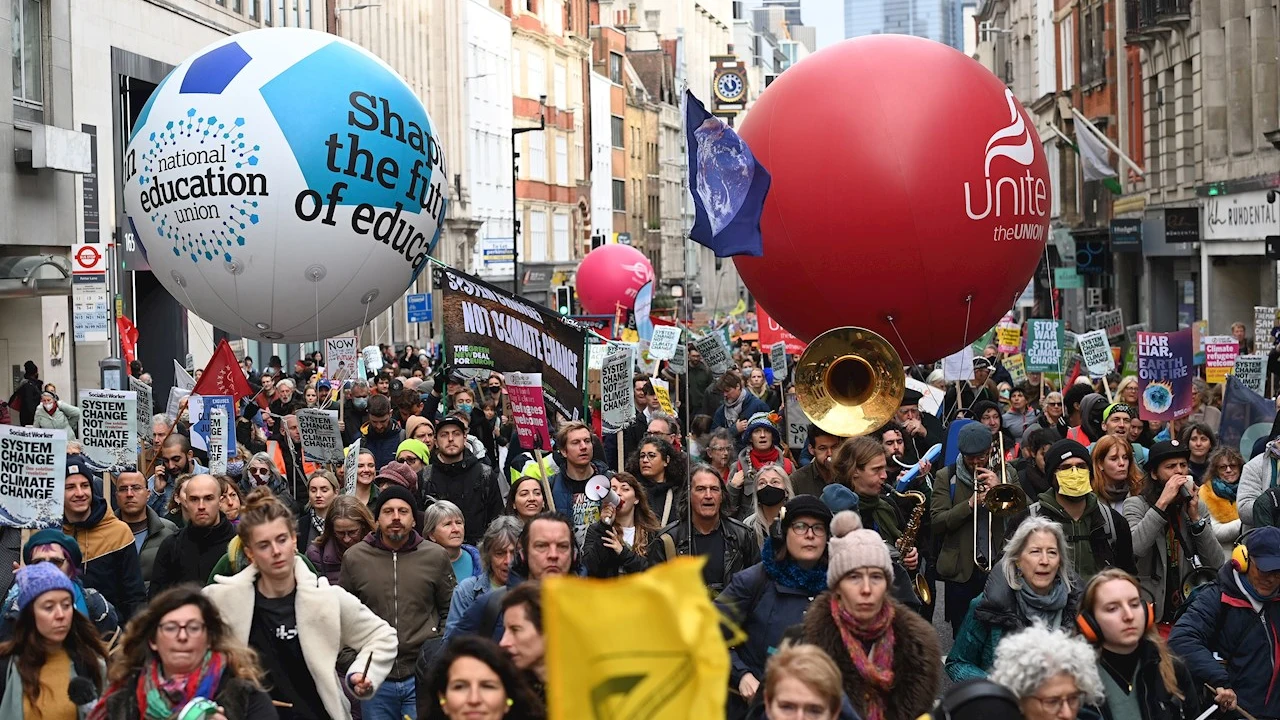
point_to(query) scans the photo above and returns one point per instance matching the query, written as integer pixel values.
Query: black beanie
(1062, 450)
(393, 491)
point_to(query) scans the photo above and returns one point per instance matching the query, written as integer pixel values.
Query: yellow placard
(663, 391)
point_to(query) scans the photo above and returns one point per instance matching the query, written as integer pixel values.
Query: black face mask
(769, 495)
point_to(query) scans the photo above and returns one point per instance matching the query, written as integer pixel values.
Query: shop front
(1169, 291)
(1233, 255)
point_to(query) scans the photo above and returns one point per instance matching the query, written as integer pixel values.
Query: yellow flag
(738, 309)
(639, 647)
(630, 336)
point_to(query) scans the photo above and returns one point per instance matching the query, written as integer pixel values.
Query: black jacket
(352, 420)
(603, 562)
(469, 484)
(740, 548)
(1154, 701)
(27, 398)
(189, 556)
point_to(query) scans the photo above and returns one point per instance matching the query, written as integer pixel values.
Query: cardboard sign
(529, 410)
(1045, 342)
(617, 389)
(778, 360)
(218, 431)
(142, 395)
(1008, 338)
(33, 476)
(321, 439)
(109, 426)
(1112, 321)
(199, 407)
(350, 466)
(1220, 353)
(372, 358)
(340, 357)
(714, 352)
(1096, 352)
(666, 338)
(1164, 374)
(663, 390)
(1251, 371)
(175, 402)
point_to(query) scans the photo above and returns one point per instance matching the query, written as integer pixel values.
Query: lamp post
(515, 208)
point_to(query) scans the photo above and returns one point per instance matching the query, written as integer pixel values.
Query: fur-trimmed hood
(917, 663)
(1222, 510)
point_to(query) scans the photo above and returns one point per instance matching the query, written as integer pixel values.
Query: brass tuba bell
(849, 381)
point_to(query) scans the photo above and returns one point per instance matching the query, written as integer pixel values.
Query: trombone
(1003, 500)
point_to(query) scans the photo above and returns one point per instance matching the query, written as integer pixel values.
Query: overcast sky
(827, 16)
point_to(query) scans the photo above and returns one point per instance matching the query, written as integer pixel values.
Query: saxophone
(907, 541)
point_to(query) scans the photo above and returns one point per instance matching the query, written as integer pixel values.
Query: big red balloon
(907, 182)
(612, 274)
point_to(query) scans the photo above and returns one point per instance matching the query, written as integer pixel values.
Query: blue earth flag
(727, 182)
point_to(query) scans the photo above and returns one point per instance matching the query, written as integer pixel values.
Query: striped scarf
(159, 698)
(875, 669)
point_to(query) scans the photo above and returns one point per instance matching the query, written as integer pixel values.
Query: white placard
(321, 438)
(1096, 352)
(617, 389)
(958, 365)
(372, 359)
(714, 353)
(218, 429)
(666, 338)
(109, 426)
(145, 409)
(679, 363)
(1251, 370)
(797, 423)
(778, 360)
(33, 475)
(340, 356)
(350, 466)
(595, 355)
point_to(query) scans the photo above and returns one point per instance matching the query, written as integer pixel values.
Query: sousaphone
(849, 381)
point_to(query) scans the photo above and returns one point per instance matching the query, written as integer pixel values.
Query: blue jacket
(763, 608)
(1223, 620)
(382, 444)
(750, 406)
(464, 595)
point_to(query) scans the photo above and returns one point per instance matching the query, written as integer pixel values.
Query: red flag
(128, 338)
(659, 320)
(223, 376)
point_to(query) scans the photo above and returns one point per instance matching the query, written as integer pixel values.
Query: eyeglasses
(717, 448)
(259, 471)
(1053, 704)
(788, 709)
(349, 534)
(58, 562)
(130, 489)
(1229, 466)
(173, 629)
(1055, 404)
(410, 459)
(649, 456)
(803, 528)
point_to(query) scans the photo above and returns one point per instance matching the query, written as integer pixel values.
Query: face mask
(770, 495)
(465, 407)
(360, 403)
(1073, 482)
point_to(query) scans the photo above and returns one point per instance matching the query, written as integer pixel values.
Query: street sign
(419, 307)
(90, 306)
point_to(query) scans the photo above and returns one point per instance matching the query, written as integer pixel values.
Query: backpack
(1108, 523)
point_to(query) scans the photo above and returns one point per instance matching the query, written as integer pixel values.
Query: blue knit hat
(837, 497)
(761, 420)
(36, 580)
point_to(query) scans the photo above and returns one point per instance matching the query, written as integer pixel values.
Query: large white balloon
(285, 184)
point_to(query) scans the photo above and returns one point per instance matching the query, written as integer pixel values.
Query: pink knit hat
(851, 547)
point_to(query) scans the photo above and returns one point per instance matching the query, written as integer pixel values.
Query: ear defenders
(1092, 632)
(1240, 558)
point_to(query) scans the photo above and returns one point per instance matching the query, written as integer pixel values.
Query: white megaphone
(599, 489)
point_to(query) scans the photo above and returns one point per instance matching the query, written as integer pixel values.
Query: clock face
(730, 87)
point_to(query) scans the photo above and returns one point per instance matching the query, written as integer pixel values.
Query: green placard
(1046, 342)
(1067, 279)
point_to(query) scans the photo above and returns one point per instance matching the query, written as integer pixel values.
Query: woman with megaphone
(617, 544)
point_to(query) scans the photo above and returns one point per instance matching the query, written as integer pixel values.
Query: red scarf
(760, 459)
(876, 668)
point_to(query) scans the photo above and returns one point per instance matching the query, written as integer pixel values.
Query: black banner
(488, 328)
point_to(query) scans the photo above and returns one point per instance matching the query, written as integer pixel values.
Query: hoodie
(110, 563)
(1091, 408)
(469, 484)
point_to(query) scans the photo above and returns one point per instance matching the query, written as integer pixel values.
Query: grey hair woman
(1033, 582)
(497, 553)
(261, 471)
(443, 524)
(1051, 672)
(773, 490)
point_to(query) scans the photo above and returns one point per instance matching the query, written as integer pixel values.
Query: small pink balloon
(609, 275)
